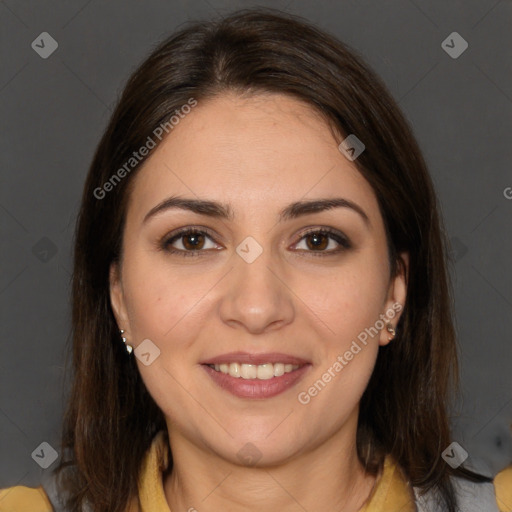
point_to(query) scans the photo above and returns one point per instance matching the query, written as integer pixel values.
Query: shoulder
(503, 488)
(493, 496)
(20, 499)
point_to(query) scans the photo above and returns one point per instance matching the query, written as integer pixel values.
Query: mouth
(256, 376)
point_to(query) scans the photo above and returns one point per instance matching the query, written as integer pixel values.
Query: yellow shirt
(392, 492)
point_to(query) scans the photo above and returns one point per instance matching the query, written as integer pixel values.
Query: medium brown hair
(111, 418)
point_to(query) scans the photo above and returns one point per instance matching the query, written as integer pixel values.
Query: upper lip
(251, 358)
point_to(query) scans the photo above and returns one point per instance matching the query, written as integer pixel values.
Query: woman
(261, 309)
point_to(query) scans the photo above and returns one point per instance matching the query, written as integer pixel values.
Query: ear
(395, 302)
(117, 298)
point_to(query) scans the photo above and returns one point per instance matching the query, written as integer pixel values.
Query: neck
(328, 477)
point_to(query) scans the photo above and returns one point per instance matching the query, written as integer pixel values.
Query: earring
(129, 348)
(391, 330)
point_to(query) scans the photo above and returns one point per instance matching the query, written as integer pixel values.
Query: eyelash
(165, 243)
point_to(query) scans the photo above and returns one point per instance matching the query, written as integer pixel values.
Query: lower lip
(256, 388)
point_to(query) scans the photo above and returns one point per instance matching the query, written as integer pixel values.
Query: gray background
(53, 112)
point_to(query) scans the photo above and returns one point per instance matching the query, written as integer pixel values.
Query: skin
(259, 154)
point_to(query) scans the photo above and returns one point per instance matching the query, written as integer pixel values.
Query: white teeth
(252, 371)
(278, 369)
(265, 371)
(234, 370)
(248, 371)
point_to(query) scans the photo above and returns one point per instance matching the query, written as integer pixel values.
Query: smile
(256, 381)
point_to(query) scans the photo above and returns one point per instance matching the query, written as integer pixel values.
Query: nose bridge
(256, 296)
(253, 261)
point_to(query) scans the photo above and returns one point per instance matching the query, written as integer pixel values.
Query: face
(305, 289)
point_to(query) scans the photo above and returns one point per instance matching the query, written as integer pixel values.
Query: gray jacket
(471, 497)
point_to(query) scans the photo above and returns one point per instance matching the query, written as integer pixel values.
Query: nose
(257, 296)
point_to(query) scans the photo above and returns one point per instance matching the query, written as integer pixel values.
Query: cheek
(346, 300)
(164, 304)
(170, 305)
(347, 350)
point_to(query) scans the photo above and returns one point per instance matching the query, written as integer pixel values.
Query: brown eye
(188, 242)
(193, 241)
(318, 240)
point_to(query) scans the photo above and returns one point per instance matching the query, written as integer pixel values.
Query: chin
(260, 450)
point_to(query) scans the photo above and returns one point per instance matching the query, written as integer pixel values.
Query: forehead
(258, 153)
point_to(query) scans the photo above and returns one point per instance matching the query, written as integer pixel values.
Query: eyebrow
(221, 211)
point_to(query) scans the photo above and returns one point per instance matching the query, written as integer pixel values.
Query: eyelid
(191, 228)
